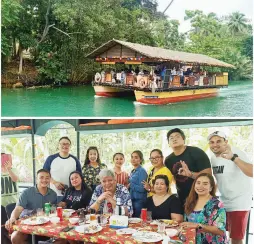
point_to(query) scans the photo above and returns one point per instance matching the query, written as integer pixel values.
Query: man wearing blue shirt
(31, 199)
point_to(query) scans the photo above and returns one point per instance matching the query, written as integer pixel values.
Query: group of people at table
(194, 206)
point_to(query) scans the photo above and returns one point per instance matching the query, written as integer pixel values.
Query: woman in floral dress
(92, 167)
(205, 212)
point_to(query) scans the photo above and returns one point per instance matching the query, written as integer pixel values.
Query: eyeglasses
(155, 158)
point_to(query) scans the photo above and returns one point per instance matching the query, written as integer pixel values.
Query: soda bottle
(47, 209)
(143, 216)
(59, 211)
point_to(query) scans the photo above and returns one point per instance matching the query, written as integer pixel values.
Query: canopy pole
(33, 151)
(78, 143)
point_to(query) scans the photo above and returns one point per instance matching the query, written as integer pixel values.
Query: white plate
(36, 221)
(147, 236)
(134, 220)
(126, 231)
(171, 232)
(89, 228)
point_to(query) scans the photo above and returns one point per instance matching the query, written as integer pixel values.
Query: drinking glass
(93, 218)
(149, 217)
(39, 212)
(103, 220)
(53, 211)
(161, 227)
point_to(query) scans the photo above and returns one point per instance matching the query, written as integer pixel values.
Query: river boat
(149, 86)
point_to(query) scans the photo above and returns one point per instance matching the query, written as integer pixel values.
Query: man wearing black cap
(185, 162)
(233, 172)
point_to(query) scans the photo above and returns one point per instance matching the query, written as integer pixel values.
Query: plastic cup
(39, 212)
(149, 217)
(161, 228)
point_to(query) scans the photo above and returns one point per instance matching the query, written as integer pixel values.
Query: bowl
(171, 232)
(67, 214)
(54, 220)
(73, 220)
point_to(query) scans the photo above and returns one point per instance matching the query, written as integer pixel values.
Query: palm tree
(237, 23)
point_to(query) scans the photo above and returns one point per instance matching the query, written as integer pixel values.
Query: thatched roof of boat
(161, 54)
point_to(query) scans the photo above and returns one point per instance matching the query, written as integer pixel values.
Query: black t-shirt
(77, 199)
(196, 160)
(163, 211)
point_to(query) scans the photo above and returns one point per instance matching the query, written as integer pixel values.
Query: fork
(181, 236)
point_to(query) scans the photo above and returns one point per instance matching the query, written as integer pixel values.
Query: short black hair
(156, 150)
(118, 153)
(162, 177)
(65, 137)
(43, 170)
(176, 130)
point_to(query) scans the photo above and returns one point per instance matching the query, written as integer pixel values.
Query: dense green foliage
(59, 34)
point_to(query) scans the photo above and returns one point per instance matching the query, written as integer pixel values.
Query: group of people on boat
(64, 182)
(160, 76)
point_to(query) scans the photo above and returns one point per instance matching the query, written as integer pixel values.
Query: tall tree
(237, 23)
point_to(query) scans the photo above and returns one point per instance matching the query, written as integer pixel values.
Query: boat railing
(165, 83)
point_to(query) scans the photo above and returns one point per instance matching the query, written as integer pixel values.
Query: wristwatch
(234, 157)
(200, 227)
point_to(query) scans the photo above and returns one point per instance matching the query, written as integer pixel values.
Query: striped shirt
(122, 178)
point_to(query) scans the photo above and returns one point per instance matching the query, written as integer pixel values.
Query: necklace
(162, 195)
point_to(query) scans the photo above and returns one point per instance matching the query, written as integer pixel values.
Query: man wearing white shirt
(60, 165)
(233, 172)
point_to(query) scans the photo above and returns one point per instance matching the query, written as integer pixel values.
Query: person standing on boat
(185, 162)
(60, 165)
(233, 172)
(137, 177)
(92, 167)
(180, 73)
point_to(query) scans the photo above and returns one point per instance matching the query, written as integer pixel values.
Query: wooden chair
(176, 81)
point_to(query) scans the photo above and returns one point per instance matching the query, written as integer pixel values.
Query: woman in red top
(122, 177)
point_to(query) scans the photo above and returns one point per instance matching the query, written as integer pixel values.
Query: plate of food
(68, 212)
(126, 231)
(147, 236)
(134, 220)
(88, 228)
(167, 222)
(35, 220)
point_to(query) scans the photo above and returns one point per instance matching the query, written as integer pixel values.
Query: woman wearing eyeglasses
(60, 165)
(158, 168)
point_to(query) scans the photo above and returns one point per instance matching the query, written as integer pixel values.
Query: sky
(220, 7)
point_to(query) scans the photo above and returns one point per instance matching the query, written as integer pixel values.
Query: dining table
(107, 235)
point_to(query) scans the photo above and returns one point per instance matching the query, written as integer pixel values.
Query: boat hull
(174, 96)
(107, 91)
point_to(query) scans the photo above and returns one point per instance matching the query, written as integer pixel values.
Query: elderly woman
(158, 168)
(163, 204)
(109, 194)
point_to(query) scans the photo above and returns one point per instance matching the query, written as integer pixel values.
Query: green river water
(234, 101)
